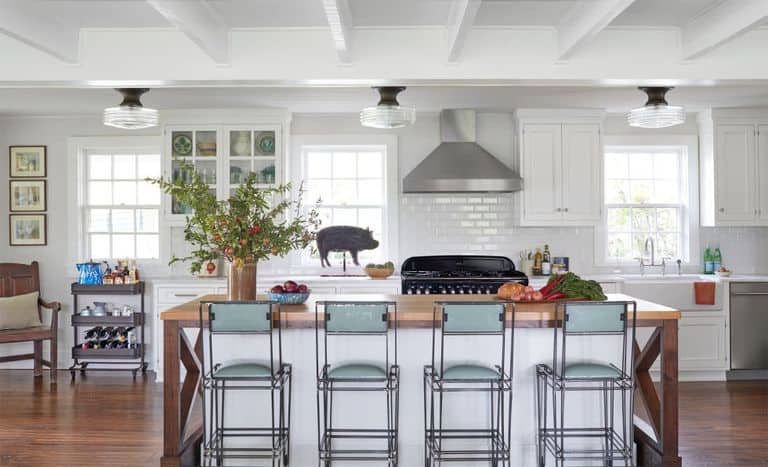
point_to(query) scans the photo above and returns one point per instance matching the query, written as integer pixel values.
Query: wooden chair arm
(55, 307)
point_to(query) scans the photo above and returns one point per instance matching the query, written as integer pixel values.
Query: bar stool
(369, 320)
(441, 377)
(268, 374)
(606, 378)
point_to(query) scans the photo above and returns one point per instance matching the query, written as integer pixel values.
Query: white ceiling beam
(340, 21)
(20, 21)
(460, 20)
(200, 23)
(720, 24)
(585, 22)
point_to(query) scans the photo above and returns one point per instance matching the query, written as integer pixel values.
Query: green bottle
(709, 265)
(717, 260)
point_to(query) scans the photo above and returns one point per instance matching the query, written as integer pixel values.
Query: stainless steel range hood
(458, 164)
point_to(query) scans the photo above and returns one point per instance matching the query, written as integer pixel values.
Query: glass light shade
(656, 116)
(387, 116)
(130, 117)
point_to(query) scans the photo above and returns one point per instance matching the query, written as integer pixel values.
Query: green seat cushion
(242, 369)
(476, 372)
(591, 370)
(357, 371)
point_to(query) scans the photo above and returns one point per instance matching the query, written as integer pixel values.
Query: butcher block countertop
(416, 311)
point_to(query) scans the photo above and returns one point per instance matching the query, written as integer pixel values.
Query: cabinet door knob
(558, 210)
(722, 209)
(566, 209)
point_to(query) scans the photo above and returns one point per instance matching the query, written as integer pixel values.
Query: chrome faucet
(653, 249)
(652, 264)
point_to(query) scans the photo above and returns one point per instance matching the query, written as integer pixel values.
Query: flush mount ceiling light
(130, 114)
(656, 113)
(388, 113)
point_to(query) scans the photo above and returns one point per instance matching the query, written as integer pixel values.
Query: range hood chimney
(458, 164)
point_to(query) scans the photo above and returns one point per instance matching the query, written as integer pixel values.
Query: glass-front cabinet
(195, 146)
(223, 155)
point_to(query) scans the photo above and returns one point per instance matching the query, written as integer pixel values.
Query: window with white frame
(351, 183)
(646, 196)
(121, 211)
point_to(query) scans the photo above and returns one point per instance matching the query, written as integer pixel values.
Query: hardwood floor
(110, 420)
(105, 419)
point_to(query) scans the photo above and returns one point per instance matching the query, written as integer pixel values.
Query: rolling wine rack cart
(132, 359)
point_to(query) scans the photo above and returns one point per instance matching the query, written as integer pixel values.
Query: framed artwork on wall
(27, 229)
(27, 195)
(27, 161)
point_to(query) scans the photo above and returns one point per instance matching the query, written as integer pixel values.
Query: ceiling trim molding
(200, 23)
(18, 21)
(340, 21)
(584, 22)
(720, 24)
(461, 18)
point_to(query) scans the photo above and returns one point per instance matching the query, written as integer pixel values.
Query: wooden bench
(19, 279)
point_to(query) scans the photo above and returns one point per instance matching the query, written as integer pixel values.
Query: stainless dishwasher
(749, 325)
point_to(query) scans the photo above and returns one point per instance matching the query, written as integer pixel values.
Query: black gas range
(458, 274)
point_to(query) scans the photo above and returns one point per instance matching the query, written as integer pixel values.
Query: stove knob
(409, 291)
(427, 290)
(490, 290)
(441, 290)
(451, 289)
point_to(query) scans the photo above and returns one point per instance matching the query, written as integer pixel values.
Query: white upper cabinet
(561, 170)
(735, 177)
(762, 174)
(223, 150)
(734, 168)
(542, 166)
(582, 162)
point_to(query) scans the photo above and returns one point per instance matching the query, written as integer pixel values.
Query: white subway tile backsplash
(483, 224)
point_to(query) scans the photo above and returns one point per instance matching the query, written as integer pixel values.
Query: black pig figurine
(344, 238)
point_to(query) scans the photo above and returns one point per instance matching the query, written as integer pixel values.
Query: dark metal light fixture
(388, 113)
(656, 113)
(131, 114)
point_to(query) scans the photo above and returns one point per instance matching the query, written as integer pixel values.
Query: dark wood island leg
(182, 430)
(661, 408)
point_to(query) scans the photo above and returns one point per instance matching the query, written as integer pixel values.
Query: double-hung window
(354, 180)
(646, 196)
(121, 211)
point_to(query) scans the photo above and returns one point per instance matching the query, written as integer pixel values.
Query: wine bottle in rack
(93, 332)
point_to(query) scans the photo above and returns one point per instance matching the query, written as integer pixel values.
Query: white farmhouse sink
(672, 290)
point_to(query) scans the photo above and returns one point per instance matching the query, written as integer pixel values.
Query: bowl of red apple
(289, 293)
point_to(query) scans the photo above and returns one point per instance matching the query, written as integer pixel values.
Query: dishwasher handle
(748, 293)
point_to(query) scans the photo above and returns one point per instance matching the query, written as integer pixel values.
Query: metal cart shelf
(113, 358)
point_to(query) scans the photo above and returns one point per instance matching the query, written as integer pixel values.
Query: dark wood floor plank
(108, 419)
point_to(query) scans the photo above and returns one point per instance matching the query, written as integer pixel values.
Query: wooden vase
(241, 282)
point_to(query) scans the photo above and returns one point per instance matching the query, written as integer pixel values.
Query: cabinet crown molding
(566, 115)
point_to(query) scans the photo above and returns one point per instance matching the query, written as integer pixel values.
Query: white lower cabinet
(701, 342)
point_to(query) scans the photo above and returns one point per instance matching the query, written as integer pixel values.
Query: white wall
(56, 271)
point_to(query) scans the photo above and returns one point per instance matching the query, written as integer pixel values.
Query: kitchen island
(656, 413)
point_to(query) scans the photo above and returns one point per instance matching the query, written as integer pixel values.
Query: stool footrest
(618, 449)
(436, 441)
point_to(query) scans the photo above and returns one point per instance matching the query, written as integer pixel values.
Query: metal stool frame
(278, 383)
(327, 386)
(499, 388)
(617, 445)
